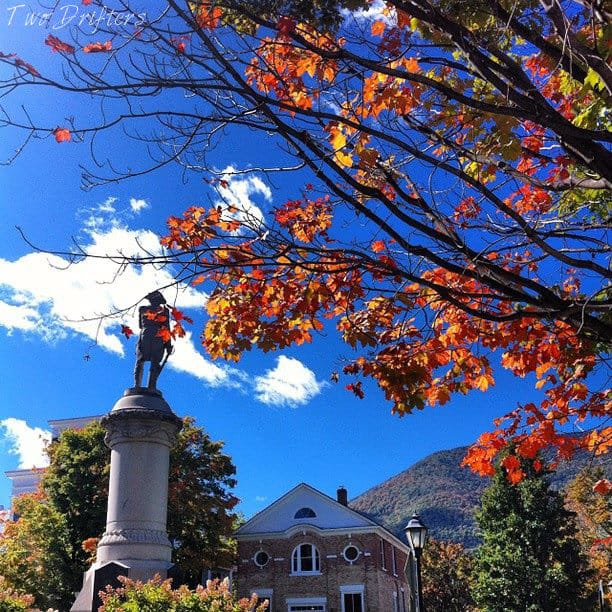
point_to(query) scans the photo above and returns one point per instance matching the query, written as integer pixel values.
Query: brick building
(309, 552)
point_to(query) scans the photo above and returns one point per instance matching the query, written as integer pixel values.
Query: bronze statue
(153, 343)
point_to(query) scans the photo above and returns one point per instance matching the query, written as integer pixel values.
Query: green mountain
(443, 493)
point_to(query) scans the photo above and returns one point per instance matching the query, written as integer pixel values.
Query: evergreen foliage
(530, 560)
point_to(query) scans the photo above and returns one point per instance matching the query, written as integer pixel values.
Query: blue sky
(281, 418)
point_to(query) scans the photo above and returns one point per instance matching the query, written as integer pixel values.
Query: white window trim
(266, 563)
(300, 572)
(393, 560)
(395, 602)
(381, 553)
(359, 553)
(306, 601)
(352, 589)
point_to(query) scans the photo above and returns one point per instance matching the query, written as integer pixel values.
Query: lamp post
(416, 534)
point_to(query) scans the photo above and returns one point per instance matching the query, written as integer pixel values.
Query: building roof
(283, 517)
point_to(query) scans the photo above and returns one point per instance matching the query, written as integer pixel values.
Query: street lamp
(416, 534)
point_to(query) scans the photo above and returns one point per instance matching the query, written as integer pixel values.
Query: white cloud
(238, 190)
(186, 358)
(18, 317)
(28, 443)
(53, 298)
(290, 383)
(376, 11)
(138, 204)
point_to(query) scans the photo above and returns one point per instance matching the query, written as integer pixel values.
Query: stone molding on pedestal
(140, 424)
(140, 430)
(135, 536)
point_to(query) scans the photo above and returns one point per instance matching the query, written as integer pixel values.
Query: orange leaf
(164, 334)
(378, 246)
(378, 28)
(61, 134)
(98, 47)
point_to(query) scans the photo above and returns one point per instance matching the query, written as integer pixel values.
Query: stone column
(140, 430)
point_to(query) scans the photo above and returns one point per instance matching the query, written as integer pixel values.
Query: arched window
(305, 513)
(305, 560)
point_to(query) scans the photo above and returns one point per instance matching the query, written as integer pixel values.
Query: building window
(264, 595)
(393, 561)
(383, 560)
(306, 604)
(351, 598)
(351, 553)
(403, 600)
(395, 602)
(305, 513)
(305, 560)
(261, 558)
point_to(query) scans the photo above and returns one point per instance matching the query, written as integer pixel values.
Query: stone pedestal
(140, 430)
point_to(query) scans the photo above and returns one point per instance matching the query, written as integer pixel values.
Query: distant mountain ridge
(443, 493)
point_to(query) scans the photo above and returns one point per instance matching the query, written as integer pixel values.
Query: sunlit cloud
(55, 299)
(138, 205)
(239, 191)
(290, 383)
(27, 443)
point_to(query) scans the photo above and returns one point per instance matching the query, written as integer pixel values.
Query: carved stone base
(143, 544)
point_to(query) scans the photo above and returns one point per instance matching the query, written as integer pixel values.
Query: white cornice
(304, 527)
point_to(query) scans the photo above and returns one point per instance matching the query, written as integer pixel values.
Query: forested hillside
(443, 493)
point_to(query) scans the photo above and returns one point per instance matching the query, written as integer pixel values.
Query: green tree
(58, 528)
(530, 559)
(446, 570)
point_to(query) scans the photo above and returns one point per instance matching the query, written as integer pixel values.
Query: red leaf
(28, 67)
(57, 45)
(286, 26)
(603, 487)
(126, 331)
(61, 134)
(179, 316)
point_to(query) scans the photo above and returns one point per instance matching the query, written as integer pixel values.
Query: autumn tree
(530, 558)
(35, 553)
(46, 551)
(446, 572)
(590, 499)
(457, 197)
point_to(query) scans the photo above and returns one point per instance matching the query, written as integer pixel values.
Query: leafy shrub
(158, 596)
(13, 601)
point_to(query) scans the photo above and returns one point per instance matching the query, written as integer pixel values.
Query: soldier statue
(153, 344)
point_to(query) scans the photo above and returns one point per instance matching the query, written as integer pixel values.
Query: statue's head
(156, 298)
